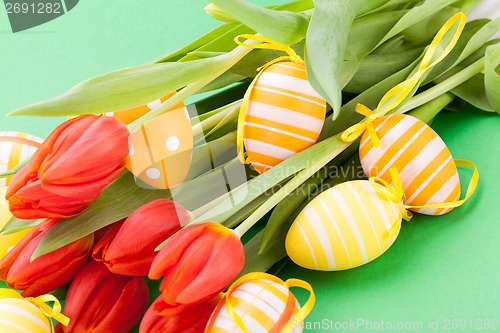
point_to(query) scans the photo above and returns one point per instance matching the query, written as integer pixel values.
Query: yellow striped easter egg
(263, 305)
(15, 147)
(345, 226)
(129, 115)
(21, 316)
(425, 165)
(160, 152)
(284, 115)
(7, 242)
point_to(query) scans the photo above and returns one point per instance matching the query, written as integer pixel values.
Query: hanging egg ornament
(21, 316)
(284, 115)
(129, 115)
(262, 305)
(427, 170)
(15, 147)
(7, 242)
(160, 151)
(345, 226)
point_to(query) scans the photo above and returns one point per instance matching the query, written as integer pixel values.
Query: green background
(440, 268)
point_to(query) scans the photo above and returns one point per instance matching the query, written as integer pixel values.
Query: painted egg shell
(284, 115)
(10, 240)
(261, 304)
(129, 115)
(160, 152)
(15, 147)
(345, 226)
(425, 165)
(21, 316)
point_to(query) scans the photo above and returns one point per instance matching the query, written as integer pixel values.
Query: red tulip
(99, 301)
(191, 319)
(197, 263)
(70, 168)
(47, 272)
(129, 247)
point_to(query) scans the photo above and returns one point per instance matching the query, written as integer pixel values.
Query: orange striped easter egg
(344, 227)
(21, 316)
(284, 115)
(427, 170)
(129, 115)
(15, 147)
(263, 305)
(160, 152)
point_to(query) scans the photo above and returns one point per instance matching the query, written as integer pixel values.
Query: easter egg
(160, 152)
(21, 316)
(263, 306)
(425, 165)
(283, 116)
(15, 147)
(129, 115)
(10, 240)
(345, 226)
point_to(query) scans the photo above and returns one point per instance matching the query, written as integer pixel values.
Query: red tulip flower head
(129, 247)
(197, 263)
(99, 301)
(70, 168)
(192, 319)
(48, 272)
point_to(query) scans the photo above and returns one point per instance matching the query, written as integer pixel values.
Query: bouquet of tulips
(148, 215)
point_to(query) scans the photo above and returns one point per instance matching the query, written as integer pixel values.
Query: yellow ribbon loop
(51, 312)
(393, 192)
(295, 318)
(470, 189)
(269, 44)
(396, 95)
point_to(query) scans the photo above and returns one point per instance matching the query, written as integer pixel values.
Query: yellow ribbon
(268, 44)
(51, 312)
(395, 96)
(295, 318)
(395, 192)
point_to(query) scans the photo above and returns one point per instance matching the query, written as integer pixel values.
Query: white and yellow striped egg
(21, 316)
(7, 242)
(284, 115)
(345, 226)
(263, 306)
(425, 165)
(15, 147)
(160, 152)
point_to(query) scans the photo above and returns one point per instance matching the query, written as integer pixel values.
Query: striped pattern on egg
(129, 115)
(15, 147)
(345, 226)
(160, 152)
(21, 316)
(425, 165)
(263, 305)
(284, 115)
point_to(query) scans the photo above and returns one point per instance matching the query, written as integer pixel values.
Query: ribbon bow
(288, 318)
(268, 44)
(395, 192)
(395, 96)
(51, 312)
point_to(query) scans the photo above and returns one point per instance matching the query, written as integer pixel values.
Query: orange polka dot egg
(262, 305)
(160, 151)
(15, 147)
(284, 115)
(427, 169)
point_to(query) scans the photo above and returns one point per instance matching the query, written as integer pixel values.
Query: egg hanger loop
(394, 191)
(396, 95)
(50, 312)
